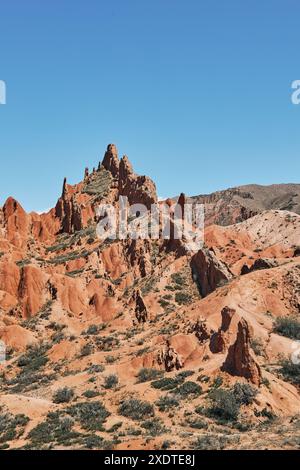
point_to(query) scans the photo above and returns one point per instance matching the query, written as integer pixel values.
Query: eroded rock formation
(170, 359)
(208, 271)
(240, 361)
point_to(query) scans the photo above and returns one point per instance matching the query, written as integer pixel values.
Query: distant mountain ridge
(234, 205)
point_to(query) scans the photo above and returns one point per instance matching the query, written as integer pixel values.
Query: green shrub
(56, 428)
(182, 298)
(92, 441)
(188, 388)
(136, 409)
(34, 358)
(224, 405)
(111, 381)
(166, 383)
(166, 402)
(258, 346)
(96, 368)
(184, 374)
(91, 415)
(146, 374)
(90, 393)
(178, 279)
(11, 427)
(218, 381)
(290, 371)
(244, 393)
(86, 350)
(196, 423)
(92, 330)
(154, 427)
(210, 442)
(287, 326)
(63, 395)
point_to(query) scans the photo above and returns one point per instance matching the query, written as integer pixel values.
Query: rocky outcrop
(16, 222)
(141, 312)
(209, 272)
(201, 330)
(31, 289)
(170, 359)
(68, 211)
(240, 361)
(220, 339)
(111, 161)
(138, 189)
(260, 263)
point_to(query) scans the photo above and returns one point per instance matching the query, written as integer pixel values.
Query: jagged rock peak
(111, 160)
(125, 168)
(64, 188)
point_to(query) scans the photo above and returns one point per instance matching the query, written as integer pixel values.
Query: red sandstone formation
(240, 360)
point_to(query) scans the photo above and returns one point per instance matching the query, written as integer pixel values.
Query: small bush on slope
(111, 381)
(287, 326)
(91, 415)
(166, 402)
(63, 395)
(146, 374)
(136, 409)
(290, 371)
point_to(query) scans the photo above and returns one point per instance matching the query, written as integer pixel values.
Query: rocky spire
(239, 360)
(219, 341)
(64, 189)
(111, 161)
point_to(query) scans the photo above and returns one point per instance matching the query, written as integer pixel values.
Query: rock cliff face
(208, 271)
(68, 211)
(76, 309)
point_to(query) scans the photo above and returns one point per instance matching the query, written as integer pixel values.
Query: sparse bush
(166, 383)
(11, 427)
(182, 298)
(91, 415)
(257, 346)
(34, 358)
(92, 441)
(188, 388)
(90, 393)
(196, 423)
(290, 371)
(136, 409)
(224, 405)
(166, 402)
(146, 374)
(244, 393)
(110, 359)
(56, 428)
(218, 381)
(86, 350)
(154, 427)
(287, 326)
(178, 279)
(92, 330)
(210, 442)
(111, 381)
(63, 395)
(96, 368)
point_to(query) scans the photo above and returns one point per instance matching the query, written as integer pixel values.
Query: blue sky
(196, 93)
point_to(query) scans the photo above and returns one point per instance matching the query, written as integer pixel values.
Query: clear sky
(196, 92)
